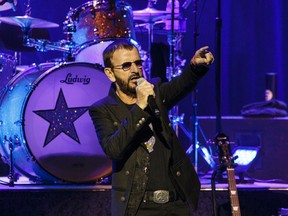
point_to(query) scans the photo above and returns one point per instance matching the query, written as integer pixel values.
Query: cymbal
(8, 6)
(149, 14)
(163, 26)
(28, 22)
(11, 37)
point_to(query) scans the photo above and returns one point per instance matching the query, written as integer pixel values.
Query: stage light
(244, 156)
(205, 154)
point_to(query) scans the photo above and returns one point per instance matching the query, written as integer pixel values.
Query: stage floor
(23, 183)
(256, 199)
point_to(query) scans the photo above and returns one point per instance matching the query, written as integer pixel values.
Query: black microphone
(151, 101)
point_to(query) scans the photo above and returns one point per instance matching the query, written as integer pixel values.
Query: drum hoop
(76, 11)
(87, 44)
(39, 66)
(65, 64)
(102, 4)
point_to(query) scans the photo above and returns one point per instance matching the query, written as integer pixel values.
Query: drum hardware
(11, 171)
(11, 145)
(12, 38)
(149, 15)
(43, 45)
(174, 68)
(161, 27)
(68, 26)
(27, 23)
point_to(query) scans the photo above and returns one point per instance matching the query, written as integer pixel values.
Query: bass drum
(44, 114)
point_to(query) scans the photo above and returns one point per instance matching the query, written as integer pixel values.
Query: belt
(160, 196)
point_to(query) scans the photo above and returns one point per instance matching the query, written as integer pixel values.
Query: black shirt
(159, 159)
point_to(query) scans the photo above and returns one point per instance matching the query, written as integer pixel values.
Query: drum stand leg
(18, 58)
(11, 170)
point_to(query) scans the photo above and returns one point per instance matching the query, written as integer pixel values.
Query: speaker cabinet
(271, 134)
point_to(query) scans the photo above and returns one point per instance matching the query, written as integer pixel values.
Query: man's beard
(125, 88)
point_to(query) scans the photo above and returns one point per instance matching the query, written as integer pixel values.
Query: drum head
(58, 129)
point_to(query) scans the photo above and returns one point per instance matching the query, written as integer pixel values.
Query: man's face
(126, 81)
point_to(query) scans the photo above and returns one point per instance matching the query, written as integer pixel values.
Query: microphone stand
(195, 144)
(218, 94)
(195, 104)
(171, 40)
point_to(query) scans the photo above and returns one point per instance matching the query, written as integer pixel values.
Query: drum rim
(74, 12)
(33, 66)
(97, 2)
(79, 48)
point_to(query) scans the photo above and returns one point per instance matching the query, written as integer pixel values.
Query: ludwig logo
(76, 79)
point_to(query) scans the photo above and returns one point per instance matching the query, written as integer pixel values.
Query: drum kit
(46, 133)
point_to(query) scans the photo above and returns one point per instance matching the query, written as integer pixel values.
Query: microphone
(151, 101)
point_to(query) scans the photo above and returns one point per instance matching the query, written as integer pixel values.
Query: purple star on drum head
(61, 119)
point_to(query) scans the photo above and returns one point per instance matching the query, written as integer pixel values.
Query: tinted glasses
(127, 65)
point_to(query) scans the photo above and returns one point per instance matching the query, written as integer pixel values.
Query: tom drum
(96, 24)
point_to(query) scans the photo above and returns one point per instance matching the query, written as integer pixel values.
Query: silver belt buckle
(161, 196)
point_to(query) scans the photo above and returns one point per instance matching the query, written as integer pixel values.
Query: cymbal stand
(69, 29)
(170, 70)
(26, 28)
(26, 32)
(150, 32)
(195, 142)
(176, 63)
(18, 58)
(174, 70)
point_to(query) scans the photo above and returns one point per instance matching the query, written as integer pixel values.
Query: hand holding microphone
(145, 96)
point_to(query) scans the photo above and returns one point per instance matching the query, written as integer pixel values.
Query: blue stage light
(244, 156)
